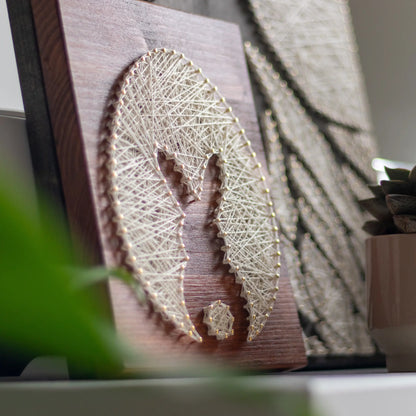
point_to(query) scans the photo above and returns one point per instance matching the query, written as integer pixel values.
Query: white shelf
(318, 395)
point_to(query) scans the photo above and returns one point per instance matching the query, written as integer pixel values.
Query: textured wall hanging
(343, 330)
(304, 138)
(333, 241)
(359, 148)
(335, 277)
(315, 42)
(167, 182)
(286, 208)
(356, 184)
(331, 252)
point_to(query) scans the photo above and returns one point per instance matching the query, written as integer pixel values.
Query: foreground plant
(44, 306)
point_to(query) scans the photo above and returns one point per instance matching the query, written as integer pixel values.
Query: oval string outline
(165, 104)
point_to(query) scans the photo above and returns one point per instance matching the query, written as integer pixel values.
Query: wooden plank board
(84, 48)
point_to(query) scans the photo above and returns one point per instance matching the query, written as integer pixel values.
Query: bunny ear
(166, 104)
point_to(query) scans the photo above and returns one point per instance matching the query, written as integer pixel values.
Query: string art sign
(141, 137)
(166, 105)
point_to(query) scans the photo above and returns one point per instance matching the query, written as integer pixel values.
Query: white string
(324, 202)
(297, 280)
(166, 105)
(313, 346)
(342, 330)
(315, 41)
(304, 137)
(359, 187)
(286, 209)
(334, 243)
(358, 147)
(219, 320)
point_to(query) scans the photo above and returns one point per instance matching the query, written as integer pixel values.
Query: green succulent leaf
(95, 275)
(394, 203)
(376, 190)
(377, 208)
(374, 227)
(412, 175)
(397, 173)
(405, 223)
(401, 204)
(397, 187)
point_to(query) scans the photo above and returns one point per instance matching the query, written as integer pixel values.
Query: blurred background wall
(386, 36)
(10, 97)
(14, 149)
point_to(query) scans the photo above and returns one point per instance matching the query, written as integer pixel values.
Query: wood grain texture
(85, 47)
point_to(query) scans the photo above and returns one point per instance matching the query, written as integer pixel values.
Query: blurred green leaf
(42, 309)
(94, 275)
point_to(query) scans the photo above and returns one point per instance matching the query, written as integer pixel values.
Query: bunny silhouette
(166, 106)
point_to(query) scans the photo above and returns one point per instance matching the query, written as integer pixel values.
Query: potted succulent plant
(391, 267)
